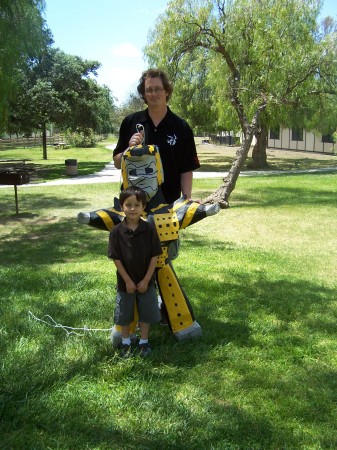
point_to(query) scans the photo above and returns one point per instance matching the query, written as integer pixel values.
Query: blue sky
(113, 32)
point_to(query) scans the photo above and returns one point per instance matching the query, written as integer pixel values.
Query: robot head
(142, 167)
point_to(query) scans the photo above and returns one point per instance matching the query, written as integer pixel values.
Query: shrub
(84, 139)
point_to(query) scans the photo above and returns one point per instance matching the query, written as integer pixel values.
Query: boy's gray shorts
(147, 306)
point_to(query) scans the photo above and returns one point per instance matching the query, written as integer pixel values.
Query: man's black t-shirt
(175, 140)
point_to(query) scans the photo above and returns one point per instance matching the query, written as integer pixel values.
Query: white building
(299, 139)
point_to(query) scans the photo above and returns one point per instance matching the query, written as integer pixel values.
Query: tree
(267, 56)
(189, 73)
(314, 108)
(57, 89)
(133, 103)
(105, 111)
(22, 35)
(36, 107)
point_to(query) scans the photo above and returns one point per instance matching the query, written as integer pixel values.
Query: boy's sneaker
(134, 340)
(163, 321)
(144, 350)
(125, 351)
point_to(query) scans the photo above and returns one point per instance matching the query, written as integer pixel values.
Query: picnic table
(61, 145)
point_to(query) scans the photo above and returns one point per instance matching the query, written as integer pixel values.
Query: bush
(82, 140)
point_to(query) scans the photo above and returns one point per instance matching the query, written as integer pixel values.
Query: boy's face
(133, 208)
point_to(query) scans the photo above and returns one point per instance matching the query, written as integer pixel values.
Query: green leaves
(58, 88)
(22, 36)
(254, 52)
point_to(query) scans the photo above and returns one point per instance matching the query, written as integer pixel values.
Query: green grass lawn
(213, 158)
(261, 277)
(89, 160)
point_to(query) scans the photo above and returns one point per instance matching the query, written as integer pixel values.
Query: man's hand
(136, 139)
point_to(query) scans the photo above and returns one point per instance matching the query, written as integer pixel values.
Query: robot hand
(83, 217)
(212, 209)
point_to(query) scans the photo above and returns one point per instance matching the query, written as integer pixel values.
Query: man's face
(155, 94)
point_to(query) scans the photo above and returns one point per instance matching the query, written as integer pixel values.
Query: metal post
(16, 199)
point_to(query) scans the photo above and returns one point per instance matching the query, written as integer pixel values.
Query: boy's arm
(130, 285)
(142, 285)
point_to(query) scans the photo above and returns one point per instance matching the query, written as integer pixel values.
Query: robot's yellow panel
(175, 302)
(167, 225)
(162, 258)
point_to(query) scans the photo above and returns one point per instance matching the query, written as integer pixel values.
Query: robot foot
(193, 331)
(116, 338)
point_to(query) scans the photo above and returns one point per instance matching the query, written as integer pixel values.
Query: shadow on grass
(61, 392)
(222, 160)
(213, 162)
(305, 163)
(53, 243)
(36, 405)
(58, 172)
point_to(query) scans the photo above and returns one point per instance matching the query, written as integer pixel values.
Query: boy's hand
(130, 287)
(142, 286)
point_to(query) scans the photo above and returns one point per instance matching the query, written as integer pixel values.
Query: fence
(224, 140)
(31, 142)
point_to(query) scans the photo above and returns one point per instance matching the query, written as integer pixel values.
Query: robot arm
(102, 219)
(212, 209)
(190, 212)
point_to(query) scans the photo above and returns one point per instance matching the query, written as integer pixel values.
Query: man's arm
(118, 160)
(186, 180)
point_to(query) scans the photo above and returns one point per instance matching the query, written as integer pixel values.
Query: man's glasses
(155, 90)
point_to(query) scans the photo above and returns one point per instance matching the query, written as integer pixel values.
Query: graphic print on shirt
(171, 140)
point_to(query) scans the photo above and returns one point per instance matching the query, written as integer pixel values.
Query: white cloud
(126, 50)
(122, 70)
(122, 78)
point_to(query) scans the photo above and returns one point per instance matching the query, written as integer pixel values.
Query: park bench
(61, 145)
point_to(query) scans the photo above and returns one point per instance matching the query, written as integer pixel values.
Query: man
(158, 125)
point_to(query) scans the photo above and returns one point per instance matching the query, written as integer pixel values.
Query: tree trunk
(221, 195)
(44, 142)
(259, 154)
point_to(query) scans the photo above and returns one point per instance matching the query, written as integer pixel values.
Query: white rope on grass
(69, 330)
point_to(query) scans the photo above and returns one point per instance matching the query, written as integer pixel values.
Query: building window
(297, 134)
(327, 138)
(274, 133)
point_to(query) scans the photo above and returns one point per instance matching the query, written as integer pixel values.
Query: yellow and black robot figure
(141, 166)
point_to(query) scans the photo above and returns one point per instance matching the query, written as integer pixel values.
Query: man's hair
(132, 190)
(155, 73)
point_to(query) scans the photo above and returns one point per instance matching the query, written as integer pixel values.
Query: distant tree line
(41, 85)
(243, 65)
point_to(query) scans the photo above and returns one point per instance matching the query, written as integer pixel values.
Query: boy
(134, 246)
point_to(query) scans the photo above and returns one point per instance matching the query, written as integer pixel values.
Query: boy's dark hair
(132, 190)
(155, 73)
